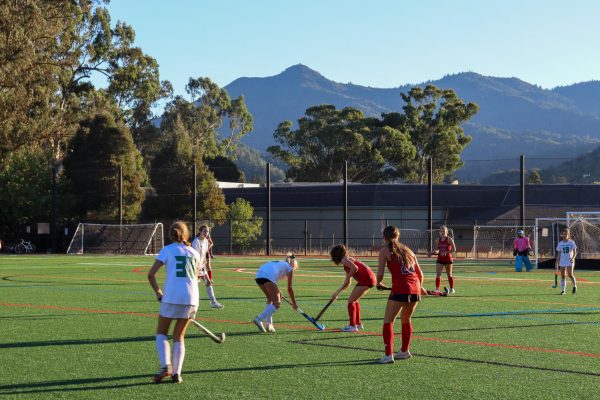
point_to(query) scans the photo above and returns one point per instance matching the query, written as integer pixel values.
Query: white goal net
(497, 241)
(585, 232)
(418, 239)
(117, 239)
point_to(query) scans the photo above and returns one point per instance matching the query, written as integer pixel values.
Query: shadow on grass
(312, 342)
(58, 386)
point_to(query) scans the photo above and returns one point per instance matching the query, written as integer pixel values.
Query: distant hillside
(584, 169)
(515, 117)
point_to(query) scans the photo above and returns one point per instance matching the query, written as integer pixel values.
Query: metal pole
(120, 208)
(522, 216)
(268, 244)
(430, 204)
(231, 236)
(53, 215)
(346, 203)
(305, 237)
(194, 201)
(120, 195)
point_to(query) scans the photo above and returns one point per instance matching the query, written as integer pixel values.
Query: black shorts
(406, 298)
(443, 262)
(262, 281)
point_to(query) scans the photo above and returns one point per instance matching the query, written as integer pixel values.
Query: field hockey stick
(381, 287)
(330, 302)
(319, 326)
(218, 339)
(555, 278)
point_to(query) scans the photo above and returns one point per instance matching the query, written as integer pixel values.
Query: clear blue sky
(379, 43)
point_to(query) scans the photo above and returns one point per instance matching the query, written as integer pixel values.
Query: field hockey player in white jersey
(267, 277)
(202, 245)
(566, 250)
(178, 301)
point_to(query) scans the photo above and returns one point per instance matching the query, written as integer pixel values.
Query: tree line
(62, 136)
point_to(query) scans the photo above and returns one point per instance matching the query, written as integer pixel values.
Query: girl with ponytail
(407, 282)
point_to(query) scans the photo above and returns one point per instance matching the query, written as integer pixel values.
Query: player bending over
(178, 301)
(203, 246)
(365, 279)
(565, 259)
(407, 279)
(267, 277)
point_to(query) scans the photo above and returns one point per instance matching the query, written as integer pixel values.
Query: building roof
(463, 202)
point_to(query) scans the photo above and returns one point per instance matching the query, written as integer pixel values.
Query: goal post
(140, 239)
(497, 241)
(584, 227)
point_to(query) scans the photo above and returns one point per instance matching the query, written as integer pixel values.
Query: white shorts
(178, 311)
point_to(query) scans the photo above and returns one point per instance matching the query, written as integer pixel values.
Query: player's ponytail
(179, 232)
(400, 251)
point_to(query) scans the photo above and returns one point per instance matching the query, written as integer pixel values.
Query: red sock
(352, 313)
(451, 280)
(438, 281)
(406, 334)
(388, 338)
(357, 313)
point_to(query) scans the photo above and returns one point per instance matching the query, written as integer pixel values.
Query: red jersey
(364, 276)
(404, 279)
(444, 251)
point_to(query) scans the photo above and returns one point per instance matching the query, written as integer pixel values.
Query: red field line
(234, 322)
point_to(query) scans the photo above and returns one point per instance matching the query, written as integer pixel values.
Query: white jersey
(566, 251)
(274, 270)
(181, 282)
(201, 246)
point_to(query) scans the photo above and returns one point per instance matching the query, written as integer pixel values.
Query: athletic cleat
(176, 378)
(403, 355)
(360, 327)
(259, 325)
(349, 328)
(452, 291)
(562, 292)
(216, 305)
(271, 328)
(574, 289)
(387, 359)
(446, 291)
(162, 373)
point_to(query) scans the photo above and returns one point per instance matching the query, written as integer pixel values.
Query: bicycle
(24, 247)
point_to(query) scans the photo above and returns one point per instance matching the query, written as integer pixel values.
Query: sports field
(83, 327)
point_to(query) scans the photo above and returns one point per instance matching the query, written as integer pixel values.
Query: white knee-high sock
(163, 349)
(563, 284)
(211, 294)
(178, 356)
(268, 312)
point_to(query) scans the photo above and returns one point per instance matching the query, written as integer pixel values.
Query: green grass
(83, 327)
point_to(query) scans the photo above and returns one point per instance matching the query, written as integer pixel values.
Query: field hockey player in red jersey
(179, 301)
(365, 280)
(407, 279)
(445, 247)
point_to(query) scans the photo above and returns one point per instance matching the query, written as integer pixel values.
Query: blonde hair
(179, 232)
(291, 259)
(400, 251)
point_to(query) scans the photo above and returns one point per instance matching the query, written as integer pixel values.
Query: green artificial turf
(83, 327)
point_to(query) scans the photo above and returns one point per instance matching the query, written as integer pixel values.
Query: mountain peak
(301, 71)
